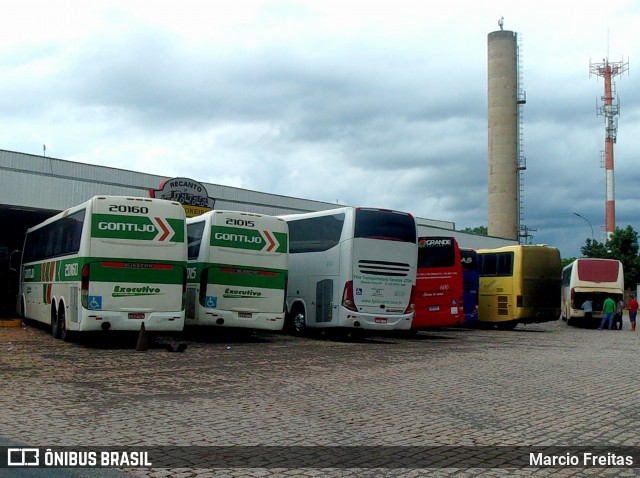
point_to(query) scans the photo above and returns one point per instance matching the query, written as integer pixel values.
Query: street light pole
(588, 222)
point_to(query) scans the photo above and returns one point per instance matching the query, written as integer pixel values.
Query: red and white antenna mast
(610, 111)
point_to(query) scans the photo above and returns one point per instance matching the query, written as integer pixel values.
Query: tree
(593, 248)
(623, 246)
(480, 230)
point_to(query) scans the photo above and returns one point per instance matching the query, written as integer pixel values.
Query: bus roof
(91, 201)
(331, 212)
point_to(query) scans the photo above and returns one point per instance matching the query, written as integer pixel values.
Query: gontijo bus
(439, 284)
(237, 270)
(352, 269)
(519, 284)
(110, 263)
(591, 278)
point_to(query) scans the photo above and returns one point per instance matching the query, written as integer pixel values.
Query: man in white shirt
(587, 306)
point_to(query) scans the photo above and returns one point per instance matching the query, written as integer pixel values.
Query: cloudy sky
(376, 103)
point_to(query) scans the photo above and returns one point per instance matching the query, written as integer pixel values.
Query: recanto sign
(191, 194)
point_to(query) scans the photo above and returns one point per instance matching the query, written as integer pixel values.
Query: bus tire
(508, 325)
(23, 308)
(65, 334)
(55, 323)
(298, 321)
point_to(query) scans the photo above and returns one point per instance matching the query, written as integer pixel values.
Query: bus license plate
(434, 308)
(136, 315)
(244, 315)
(381, 320)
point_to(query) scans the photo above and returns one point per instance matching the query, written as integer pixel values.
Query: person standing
(617, 318)
(633, 311)
(608, 310)
(587, 306)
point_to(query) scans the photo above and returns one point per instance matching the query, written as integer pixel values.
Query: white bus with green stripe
(237, 270)
(111, 263)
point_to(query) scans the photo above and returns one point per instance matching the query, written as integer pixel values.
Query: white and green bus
(237, 270)
(111, 263)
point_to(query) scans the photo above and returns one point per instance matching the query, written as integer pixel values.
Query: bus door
(324, 300)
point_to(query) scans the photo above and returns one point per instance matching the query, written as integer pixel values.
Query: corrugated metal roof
(50, 183)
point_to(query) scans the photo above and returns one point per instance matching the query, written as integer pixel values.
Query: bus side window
(505, 264)
(488, 264)
(194, 238)
(315, 234)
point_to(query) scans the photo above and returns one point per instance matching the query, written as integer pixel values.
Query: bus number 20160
(71, 270)
(129, 209)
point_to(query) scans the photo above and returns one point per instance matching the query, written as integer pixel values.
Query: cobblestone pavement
(539, 385)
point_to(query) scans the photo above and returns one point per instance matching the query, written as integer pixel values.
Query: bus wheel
(299, 323)
(509, 325)
(55, 324)
(65, 335)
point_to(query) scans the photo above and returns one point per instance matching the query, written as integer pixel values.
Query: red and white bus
(439, 284)
(588, 278)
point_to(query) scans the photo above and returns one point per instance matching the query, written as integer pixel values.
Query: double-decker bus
(237, 270)
(439, 284)
(471, 285)
(111, 263)
(519, 285)
(594, 279)
(353, 269)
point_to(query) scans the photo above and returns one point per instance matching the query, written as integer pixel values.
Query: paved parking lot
(539, 385)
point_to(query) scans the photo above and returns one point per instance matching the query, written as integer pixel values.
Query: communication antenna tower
(610, 110)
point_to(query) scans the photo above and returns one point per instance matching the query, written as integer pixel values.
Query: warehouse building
(33, 188)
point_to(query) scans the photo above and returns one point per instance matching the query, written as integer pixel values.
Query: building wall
(38, 183)
(464, 239)
(47, 183)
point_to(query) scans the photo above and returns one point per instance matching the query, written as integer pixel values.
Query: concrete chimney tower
(505, 161)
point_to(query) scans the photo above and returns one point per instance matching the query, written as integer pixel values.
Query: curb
(10, 322)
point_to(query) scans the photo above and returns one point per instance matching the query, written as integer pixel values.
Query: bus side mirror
(14, 260)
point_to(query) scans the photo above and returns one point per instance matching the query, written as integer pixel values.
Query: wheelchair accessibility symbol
(211, 301)
(95, 302)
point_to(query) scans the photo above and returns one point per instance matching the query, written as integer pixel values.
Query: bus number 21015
(239, 222)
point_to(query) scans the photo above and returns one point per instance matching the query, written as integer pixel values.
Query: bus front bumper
(131, 321)
(359, 320)
(245, 320)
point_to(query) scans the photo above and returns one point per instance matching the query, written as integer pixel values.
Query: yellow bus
(519, 285)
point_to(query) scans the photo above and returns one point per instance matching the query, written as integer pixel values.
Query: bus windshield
(384, 225)
(436, 252)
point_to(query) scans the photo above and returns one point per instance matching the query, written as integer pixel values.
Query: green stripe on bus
(248, 239)
(225, 274)
(103, 272)
(130, 270)
(141, 228)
